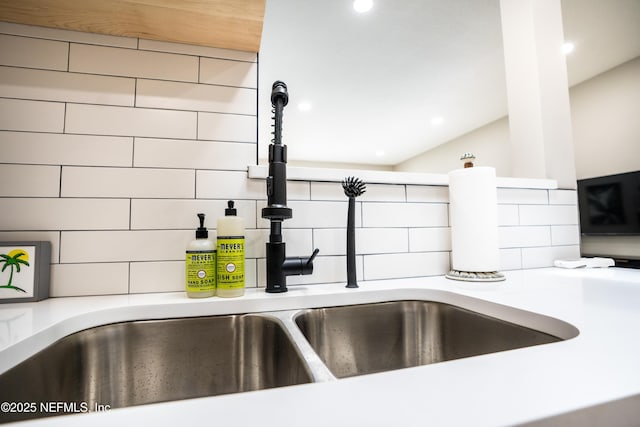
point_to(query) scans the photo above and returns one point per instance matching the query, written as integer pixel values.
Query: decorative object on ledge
(468, 159)
(24, 271)
(353, 187)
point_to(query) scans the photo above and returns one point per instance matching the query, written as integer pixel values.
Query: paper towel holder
(473, 276)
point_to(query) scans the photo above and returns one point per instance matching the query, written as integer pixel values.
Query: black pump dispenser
(230, 210)
(202, 232)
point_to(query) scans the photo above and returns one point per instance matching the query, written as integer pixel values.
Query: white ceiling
(375, 81)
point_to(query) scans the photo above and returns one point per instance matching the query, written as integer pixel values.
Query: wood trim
(228, 24)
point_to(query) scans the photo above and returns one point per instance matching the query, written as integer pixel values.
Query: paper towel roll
(473, 212)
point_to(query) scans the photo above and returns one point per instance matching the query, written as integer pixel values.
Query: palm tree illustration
(13, 262)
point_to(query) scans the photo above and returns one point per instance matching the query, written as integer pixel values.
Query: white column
(537, 91)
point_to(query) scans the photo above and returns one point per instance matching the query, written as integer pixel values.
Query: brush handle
(351, 244)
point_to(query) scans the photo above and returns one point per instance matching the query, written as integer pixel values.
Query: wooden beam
(228, 24)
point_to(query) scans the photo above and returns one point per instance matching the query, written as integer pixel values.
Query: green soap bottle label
(201, 271)
(230, 262)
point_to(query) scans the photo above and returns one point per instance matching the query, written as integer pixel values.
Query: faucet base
(276, 289)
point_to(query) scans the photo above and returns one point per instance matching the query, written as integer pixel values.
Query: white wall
(606, 131)
(490, 145)
(109, 147)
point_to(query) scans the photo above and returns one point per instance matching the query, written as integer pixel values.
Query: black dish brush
(353, 187)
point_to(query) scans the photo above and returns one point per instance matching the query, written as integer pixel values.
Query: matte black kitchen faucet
(278, 265)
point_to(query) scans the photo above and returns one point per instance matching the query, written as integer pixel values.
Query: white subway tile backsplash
(63, 214)
(508, 215)
(167, 214)
(195, 97)
(89, 279)
(333, 241)
(296, 190)
(427, 193)
(34, 116)
(522, 196)
(548, 215)
(33, 236)
(510, 259)
(383, 193)
(67, 35)
(415, 264)
(228, 73)
(132, 63)
(545, 256)
(122, 246)
(228, 185)
(227, 127)
(432, 239)
(250, 273)
(32, 53)
(307, 214)
(563, 197)
(65, 87)
(380, 240)
(128, 121)
(326, 269)
(167, 276)
(63, 149)
(405, 215)
(205, 51)
(518, 237)
(127, 182)
(176, 153)
(327, 191)
(565, 235)
(254, 242)
(29, 181)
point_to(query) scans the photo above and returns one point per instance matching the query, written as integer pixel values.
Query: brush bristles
(353, 187)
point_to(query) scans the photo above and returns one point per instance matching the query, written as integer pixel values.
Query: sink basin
(147, 361)
(134, 363)
(368, 338)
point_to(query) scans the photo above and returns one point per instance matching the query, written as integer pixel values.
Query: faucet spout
(276, 211)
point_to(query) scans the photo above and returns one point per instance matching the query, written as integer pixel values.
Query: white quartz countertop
(602, 363)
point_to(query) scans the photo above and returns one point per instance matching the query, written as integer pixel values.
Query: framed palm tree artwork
(24, 271)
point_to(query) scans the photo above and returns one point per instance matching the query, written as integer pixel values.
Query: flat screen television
(610, 205)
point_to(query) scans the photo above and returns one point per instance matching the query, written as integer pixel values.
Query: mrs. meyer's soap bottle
(201, 264)
(230, 253)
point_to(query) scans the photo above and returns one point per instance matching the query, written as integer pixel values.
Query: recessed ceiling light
(304, 106)
(362, 6)
(437, 121)
(379, 153)
(567, 48)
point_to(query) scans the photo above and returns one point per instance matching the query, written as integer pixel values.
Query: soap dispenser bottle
(201, 264)
(230, 248)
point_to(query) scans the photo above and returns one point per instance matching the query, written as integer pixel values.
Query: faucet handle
(297, 265)
(307, 267)
(312, 257)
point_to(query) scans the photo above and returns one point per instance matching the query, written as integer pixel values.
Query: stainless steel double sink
(140, 362)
